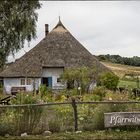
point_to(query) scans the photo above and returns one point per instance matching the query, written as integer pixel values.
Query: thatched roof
(58, 49)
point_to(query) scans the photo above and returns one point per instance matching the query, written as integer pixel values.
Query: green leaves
(17, 25)
(79, 75)
(109, 80)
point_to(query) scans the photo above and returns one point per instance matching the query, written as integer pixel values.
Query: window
(28, 81)
(22, 81)
(58, 80)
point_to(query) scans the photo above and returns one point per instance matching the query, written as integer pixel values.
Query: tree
(80, 76)
(109, 80)
(17, 25)
(133, 61)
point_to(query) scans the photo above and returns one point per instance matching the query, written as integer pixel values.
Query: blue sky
(103, 27)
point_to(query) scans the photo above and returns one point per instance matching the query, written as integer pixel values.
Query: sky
(103, 27)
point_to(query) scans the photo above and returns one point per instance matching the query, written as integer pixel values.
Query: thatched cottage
(46, 62)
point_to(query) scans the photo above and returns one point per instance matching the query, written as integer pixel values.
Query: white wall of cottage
(16, 82)
(47, 72)
(54, 73)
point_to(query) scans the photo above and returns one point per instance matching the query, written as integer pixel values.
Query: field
(121, 71)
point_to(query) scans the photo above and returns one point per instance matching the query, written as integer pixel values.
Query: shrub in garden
(54, 126)
(74, 92)
(60, 98)
(6, 121)
(92, 116)
(26, 118)
(116, 96)
(64, 115)
(109, 80)
(43, 90)
(46, 93)
(85, 116)
(6, 128)
(98, 120)
(98, 117)
(99, 93)
(76, 77)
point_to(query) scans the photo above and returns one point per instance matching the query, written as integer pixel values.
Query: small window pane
(23, 81)
(58, 80)
(29, 81)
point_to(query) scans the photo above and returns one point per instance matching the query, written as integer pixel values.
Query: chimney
(46, 29)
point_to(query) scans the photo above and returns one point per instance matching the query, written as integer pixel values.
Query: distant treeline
(133, 61)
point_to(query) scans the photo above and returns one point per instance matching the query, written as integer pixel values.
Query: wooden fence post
(75, 114)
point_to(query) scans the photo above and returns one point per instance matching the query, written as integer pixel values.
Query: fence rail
(65, 103)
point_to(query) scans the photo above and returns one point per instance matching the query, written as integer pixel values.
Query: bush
(54, 126)
(109, 80)
(60, 98)
(26, 118)
(99, 93)
(98, 119)
(43, 90)
(116, 96)
(6, 121)
(6, 128)
(64, 115)
(92, 116)
(76, 77)
(85, 116)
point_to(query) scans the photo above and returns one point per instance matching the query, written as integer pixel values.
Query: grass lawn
(98, 135)
(129, 84)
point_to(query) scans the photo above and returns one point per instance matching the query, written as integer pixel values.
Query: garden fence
(62, 116)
